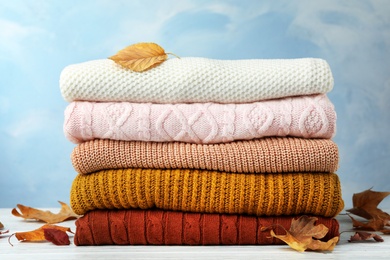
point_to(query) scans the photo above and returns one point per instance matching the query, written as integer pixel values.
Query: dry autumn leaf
(38, 235)
(385, 231)
(56, 236)
(374, 224)
(363, 236)
(140, 56)
(66, 213)
(365, 204)
(303, 235)
(4, 232)
(2, 227)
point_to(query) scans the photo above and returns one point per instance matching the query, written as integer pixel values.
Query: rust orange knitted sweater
(208, 192)
(160, 227)
(266, 155)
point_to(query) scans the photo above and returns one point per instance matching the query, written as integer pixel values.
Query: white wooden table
(47, 250)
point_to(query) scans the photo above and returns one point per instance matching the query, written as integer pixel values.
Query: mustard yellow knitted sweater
(208, 191)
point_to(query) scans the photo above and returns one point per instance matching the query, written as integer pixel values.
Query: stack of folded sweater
(198, 151)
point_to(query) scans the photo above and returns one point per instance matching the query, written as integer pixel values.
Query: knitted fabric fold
(208, 192)
(157, 227)
(265, 155)
(190, 80)
(304, 116)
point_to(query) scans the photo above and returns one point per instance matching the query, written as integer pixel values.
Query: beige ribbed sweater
(266, 155)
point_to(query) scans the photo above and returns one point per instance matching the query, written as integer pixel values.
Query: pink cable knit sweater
(303, 116)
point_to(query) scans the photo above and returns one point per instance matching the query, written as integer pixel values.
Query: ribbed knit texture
(157, 227)
(188, 80)
(208, 192)
(265, 155)
(304, 116)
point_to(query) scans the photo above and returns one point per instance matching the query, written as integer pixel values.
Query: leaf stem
(173, 54)
(9, 239)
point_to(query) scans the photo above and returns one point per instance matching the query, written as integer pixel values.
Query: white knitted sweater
(189, 80)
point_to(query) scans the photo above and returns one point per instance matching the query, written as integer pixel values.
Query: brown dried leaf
(386, 231)
(363, 236)
(56, 236)
(38, 234)
(301, 233)
(65, 213)
(374, 224)
(140, 56)
(1, 228)
(365, 204)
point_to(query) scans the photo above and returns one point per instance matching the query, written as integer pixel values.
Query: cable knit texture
(305, 116)
(266, 155)
(157, 227)
(188, 80)
(208, 192)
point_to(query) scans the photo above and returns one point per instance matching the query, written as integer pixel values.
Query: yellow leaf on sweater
(140, 56)
(304, 235)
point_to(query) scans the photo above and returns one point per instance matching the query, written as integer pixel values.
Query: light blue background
(39, 38)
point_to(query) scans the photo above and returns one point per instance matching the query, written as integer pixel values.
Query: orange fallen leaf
(38, 235)
(365, 204)
(140, 56)
(303, 235)
(1, 225)
(363, 236)
(65, 213)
